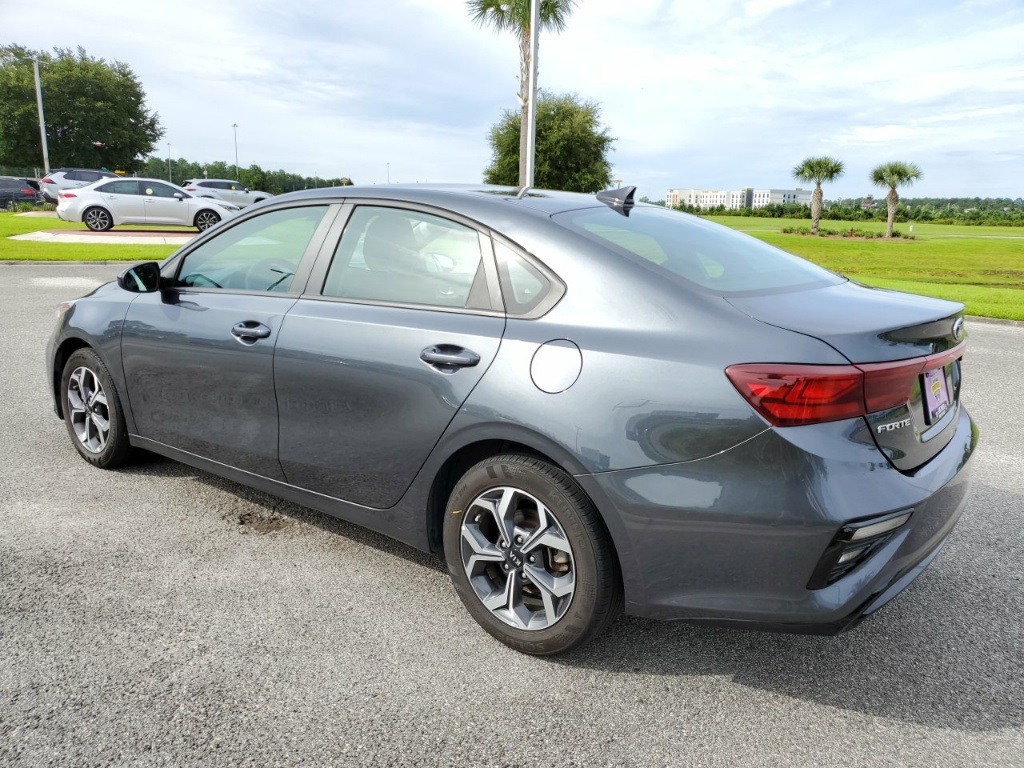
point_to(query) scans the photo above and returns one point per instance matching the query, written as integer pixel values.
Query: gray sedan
(587, 405)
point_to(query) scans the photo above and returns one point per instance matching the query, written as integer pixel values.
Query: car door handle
(448, 357)
(249, 330)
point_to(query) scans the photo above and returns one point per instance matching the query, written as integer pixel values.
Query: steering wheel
(195, 279)
(268, 274)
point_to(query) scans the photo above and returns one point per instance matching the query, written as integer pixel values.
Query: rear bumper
(733, 539)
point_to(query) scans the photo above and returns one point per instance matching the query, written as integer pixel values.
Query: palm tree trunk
(524, 100)
(891, 201)
(816, 207)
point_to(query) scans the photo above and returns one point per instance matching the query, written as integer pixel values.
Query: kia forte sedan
(111, 202)
(586, 405)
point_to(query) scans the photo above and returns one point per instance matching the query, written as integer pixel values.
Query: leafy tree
(95, 111)
(572, 147)
(514, 16)
(818, 169)
(892, 175)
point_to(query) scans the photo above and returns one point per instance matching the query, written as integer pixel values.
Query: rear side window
(707, 255)
(408, 257)
(124, 187)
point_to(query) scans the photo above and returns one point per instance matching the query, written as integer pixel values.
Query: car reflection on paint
(586, 405)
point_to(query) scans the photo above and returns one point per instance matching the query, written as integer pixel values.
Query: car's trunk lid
(915, 339)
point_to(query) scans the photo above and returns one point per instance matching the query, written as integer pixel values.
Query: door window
(124, 187)
(156, 189)
(407, 257)
(259, 254)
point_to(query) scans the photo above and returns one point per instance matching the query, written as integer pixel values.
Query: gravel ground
(158, 615)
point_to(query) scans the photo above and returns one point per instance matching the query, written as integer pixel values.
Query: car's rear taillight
(49, 181)
(27, 191)
(789, 395)
(65, 194)
(190, 189)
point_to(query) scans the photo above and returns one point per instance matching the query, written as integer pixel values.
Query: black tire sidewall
(594, 597)
(117, 448)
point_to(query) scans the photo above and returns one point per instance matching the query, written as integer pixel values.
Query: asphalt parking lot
(158, 615)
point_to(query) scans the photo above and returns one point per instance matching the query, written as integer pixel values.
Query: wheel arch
(66, 349)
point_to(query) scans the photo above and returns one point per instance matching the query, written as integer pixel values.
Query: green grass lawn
(28, 250)
(983, 267)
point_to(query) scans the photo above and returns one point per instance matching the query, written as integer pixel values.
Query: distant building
(747, 197)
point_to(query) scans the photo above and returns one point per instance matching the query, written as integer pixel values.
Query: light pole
(169, 161)
(42, 120)
(235, 126)
(389, 172)
(531, 111)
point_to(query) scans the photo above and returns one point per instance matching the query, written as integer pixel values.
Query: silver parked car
(56, 181)
(586, 405)
(111, 202)
(225, 189)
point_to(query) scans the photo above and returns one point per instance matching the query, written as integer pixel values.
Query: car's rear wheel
(98, 219)
(529, 555)
(205, 220)
(92, 411)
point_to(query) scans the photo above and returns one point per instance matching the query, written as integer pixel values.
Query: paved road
(161, 616)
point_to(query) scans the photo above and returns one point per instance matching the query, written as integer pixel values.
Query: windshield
(710, 256)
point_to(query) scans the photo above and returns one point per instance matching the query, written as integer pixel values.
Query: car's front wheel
(92, 411)
(529, 555)
(98, 219)
(205, 220)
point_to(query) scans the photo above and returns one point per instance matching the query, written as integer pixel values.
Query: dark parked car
(586, 405)
(14, 190)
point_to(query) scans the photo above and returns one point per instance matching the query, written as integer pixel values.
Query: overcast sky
(713, 94)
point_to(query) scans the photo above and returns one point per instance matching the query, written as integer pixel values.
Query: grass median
(983, 267)
(30, 250)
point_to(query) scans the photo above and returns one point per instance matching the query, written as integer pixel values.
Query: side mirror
(142, 278)
(179, 195)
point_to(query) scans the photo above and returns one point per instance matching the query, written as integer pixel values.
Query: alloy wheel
(206, 219)
(517, 558)
(97, 220)
(90, 414)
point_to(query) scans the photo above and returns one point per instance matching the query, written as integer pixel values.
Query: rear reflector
(789, 395)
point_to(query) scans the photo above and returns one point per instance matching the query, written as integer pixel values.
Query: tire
(89, 399)
(98, 219)
(205, 220)
(558, 527)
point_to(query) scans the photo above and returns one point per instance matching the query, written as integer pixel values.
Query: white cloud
(705, 94)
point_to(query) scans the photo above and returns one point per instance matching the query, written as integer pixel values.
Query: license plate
(936, 394)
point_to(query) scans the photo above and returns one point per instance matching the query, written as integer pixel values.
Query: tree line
(254, 177)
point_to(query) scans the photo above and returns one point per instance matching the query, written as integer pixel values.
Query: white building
(735, 199)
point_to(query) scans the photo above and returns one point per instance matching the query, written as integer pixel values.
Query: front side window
(156, 189)
(407, 257)
(260, 254)
(713, 258)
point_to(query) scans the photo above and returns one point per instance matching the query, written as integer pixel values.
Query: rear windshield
(707, 255)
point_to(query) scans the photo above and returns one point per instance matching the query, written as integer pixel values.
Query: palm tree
(818, 169)
(514, 16)
(894, 175)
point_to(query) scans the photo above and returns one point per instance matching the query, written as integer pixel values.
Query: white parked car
(111, 202)
(224, 189)
(60, 179)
